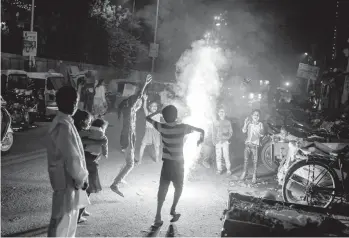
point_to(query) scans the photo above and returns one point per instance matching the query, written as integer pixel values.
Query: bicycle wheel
(310, 183)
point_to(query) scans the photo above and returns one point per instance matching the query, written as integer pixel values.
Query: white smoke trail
(200, 84)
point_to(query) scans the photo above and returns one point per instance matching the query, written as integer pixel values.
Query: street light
(305, 53)
(287, 84)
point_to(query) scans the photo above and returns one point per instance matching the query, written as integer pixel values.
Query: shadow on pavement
(172, 231)
(30, 233)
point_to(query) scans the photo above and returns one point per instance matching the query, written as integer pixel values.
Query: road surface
(26, 193)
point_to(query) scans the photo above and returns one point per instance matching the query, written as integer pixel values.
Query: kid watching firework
(254, 130)
(222, 132)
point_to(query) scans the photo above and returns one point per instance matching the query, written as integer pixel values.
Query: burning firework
(199, 78)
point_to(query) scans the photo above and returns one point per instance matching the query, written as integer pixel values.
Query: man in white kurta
(66, 167)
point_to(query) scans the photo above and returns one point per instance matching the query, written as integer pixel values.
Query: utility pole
(133, 7)
(32, 58)
(155, 34)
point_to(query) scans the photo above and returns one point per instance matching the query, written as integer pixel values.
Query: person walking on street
(81, 94)
(66, 167)
(100, 105)
(172, 135)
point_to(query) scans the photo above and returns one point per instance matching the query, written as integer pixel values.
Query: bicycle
(313, 181)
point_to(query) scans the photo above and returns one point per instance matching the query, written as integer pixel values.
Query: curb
(15, 159)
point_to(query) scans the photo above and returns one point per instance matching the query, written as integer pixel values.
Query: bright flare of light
(305, 53)
(218, 24)
(287, 84)
(207, 35)
(251, 96)
(199, 67)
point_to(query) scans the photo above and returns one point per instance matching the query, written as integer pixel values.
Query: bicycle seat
(330, 151)
(340, 152)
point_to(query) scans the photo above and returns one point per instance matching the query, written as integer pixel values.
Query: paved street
(26, 193)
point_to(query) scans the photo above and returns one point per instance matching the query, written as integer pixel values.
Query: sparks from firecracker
(199, 74)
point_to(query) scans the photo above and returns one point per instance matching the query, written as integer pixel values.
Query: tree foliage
(124, 44)
(91, 31)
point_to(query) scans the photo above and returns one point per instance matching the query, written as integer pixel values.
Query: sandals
(157, 225)
(175, 217)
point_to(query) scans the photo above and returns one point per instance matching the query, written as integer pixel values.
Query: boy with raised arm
(151, 135)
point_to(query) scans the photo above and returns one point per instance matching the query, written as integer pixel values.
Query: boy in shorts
(172, 135)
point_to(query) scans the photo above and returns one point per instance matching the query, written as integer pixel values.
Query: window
(55, 83)
(19, 81)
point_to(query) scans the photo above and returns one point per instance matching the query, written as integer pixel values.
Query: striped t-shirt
(172, 135)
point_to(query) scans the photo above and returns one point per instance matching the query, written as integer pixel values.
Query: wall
(12, 61)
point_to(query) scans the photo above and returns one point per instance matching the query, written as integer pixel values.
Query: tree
(124, 44)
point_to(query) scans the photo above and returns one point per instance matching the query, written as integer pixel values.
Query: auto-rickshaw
(16, 90)
(46, 84)
(13, 79)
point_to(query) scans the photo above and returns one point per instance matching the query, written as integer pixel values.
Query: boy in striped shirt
(172, 135)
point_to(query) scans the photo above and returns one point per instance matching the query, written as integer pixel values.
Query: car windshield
(56, 83)
(39, 83)
(19, 81)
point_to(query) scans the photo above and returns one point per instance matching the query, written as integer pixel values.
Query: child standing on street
(151, 136)
(222, 132)
(172, 134)
(254, 130)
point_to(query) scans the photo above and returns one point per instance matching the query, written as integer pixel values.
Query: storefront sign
(306, 71)
(154, 50)
(29, 43)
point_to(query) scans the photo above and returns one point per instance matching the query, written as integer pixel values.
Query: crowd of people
(77, 142)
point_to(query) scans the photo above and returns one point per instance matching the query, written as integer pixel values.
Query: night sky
(307, 22)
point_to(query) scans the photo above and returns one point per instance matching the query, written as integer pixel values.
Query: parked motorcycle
(6, 129)
(272, 157)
